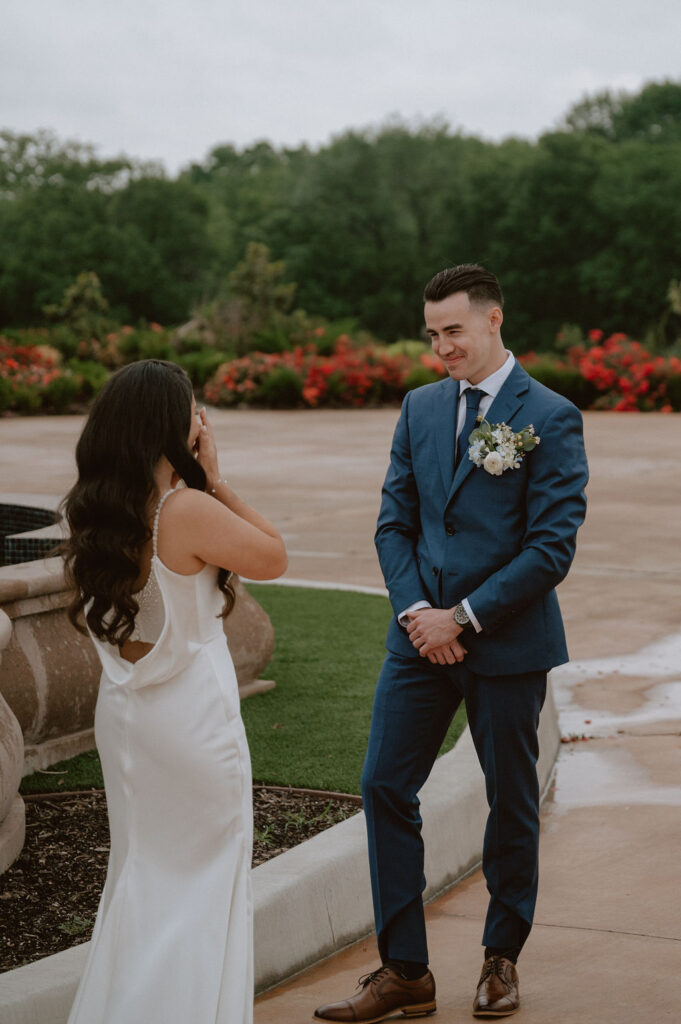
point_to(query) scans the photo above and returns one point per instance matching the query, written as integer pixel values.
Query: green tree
(162, 225)
(638, 198)
(373, 214)
(248, 195)
(62, 211)
(29, 162)
(48, 235)
(83, 307)
(255, 309)
(549, 225)
(653, 114)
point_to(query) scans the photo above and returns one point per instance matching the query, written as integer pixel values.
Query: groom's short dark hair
(479, 284)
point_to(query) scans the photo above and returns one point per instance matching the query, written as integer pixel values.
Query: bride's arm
(229, 533)
(219, 528)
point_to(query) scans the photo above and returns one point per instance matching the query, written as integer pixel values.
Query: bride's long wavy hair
(142, 412)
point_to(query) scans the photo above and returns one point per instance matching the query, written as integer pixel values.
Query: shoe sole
(417, 1010)
(495, 1013)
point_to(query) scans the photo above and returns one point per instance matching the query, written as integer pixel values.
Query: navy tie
(473, 397)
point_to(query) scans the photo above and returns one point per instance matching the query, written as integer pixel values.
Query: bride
(154, 531)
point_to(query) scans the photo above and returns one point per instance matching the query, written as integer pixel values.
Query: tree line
(582, 226)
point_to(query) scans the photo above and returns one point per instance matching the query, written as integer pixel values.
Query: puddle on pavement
(659, 664)
(661, 704)
(590, 777)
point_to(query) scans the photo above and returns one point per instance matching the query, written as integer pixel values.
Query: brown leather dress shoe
(497, 994)
(384, 992)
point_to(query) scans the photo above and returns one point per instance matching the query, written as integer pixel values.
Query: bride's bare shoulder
(187, 501)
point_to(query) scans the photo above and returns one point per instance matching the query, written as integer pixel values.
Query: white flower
(508, 454)
(475, 452)
(494, 464)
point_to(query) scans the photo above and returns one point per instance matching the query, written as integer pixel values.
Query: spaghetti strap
(158, 512)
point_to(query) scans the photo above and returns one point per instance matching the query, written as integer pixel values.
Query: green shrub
(565, 380)
(26, 399)
(90, 375)
(192, 343)
(5, 394)
(61, 392)
(673, 383)
(408, 347)
(64, 340)
(282, 388)
(144, 343)
(202, 365)
(272, 340)
(28, 335)
(420, 375)
(155, 346)
(83, 307)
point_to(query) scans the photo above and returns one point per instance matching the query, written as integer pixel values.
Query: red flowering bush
(26, 372)
(627, 376)
(32, 379)
(352, 375)
(596, 373)
(610, 373)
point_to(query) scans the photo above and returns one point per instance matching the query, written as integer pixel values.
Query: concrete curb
(316, 898)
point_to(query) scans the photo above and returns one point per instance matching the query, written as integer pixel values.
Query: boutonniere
(496, 447)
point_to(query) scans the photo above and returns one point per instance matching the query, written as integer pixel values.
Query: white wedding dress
(173, 939)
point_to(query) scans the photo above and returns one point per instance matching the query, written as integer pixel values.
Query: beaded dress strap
(158, 512)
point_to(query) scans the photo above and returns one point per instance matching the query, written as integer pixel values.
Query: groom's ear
(496, 318)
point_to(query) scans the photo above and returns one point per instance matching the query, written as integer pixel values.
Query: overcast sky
(169, 79)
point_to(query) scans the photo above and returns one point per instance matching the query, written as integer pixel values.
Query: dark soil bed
(49, 897)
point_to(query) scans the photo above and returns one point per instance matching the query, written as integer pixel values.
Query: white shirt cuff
(401, 618)
(469, 612)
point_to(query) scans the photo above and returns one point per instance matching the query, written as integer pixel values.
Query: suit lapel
(503, 408)
(445, 430)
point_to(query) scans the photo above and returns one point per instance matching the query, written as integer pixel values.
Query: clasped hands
(434, 634)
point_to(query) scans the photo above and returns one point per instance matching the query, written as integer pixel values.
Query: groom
(471, 552)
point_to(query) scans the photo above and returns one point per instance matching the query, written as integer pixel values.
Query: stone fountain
(12, 817)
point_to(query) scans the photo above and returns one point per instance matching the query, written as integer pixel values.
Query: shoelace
(493, 966)
(366, 979)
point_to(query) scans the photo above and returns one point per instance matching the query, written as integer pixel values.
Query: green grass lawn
(312, 729)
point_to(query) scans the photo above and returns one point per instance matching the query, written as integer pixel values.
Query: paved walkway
(606, 946)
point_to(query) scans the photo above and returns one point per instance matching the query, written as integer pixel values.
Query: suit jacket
(504, 542)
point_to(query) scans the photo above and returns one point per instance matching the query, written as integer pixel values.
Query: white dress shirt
(491, 386)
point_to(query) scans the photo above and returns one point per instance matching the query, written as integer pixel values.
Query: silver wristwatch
(461, 616)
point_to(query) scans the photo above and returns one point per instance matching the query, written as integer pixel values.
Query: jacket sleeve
(555, 509)
(398, 525)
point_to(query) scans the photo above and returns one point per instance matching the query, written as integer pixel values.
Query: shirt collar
(492, 385)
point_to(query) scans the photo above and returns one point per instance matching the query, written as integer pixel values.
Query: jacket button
(449, 530)
(435, 570)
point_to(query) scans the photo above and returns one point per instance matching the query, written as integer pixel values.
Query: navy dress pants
(413, 707)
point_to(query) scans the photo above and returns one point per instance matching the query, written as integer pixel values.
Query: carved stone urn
(12, 816)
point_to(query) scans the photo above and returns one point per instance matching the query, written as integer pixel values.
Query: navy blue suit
(504, 543)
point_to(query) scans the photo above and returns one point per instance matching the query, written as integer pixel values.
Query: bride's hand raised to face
(206, 451)
(217, 528)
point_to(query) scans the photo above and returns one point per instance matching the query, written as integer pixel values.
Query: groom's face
(465, 337)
